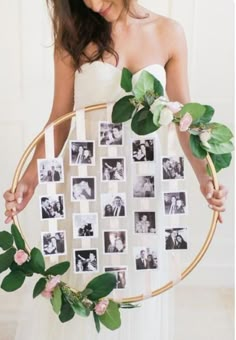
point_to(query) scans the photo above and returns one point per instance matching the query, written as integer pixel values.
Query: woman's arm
(178, 90)
(63, 102)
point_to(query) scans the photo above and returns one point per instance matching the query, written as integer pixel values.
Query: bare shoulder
(168, 27)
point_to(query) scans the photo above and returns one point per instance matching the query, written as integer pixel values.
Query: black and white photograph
(52, 207)
(110, 134)
(53, 243)
(176, 238)
(175, 203)
(172, 168)
(143, 150)
(120, 274)
(115, 241)
(83, 188)
(82, 152)
(113, 205)
(85, 260)
(145, 258)
(144, 186)
(144, 222)
(50, 170)
(113, 169)
(85, 225)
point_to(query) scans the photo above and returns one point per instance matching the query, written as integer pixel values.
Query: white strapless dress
(100, 83)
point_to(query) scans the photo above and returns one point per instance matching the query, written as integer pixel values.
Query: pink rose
(101, 306)
(20, 257)
(50, 285)
(174, 106)
(185, 122)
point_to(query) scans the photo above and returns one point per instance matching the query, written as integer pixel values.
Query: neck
(129, 16)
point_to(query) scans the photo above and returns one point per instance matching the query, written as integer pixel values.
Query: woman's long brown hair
(75, 26)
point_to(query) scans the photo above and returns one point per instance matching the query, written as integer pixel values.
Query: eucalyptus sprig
(66, 301)
(148, 110)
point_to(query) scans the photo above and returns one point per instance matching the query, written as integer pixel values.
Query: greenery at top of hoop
(148, 110)
(66, 302)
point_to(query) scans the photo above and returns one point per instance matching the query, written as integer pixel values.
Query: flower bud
(204, 136)
(185, 122)
(174, 106)
(101, 306)
(20, 257)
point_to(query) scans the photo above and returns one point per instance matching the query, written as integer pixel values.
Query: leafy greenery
(101, 286)
(6, 240)
(148, 110)
(111, 318)
(65, 301)
(19, 241)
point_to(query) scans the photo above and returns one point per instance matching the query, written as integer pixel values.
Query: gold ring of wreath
(199, 255)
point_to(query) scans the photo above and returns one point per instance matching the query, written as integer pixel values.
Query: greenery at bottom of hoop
(66, 302)
(148, 110)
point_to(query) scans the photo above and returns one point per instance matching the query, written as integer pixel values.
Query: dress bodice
(99, 82)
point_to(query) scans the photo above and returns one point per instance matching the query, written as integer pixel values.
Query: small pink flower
(185, 122)
(47, 294)
(20, 257)
(101, 307)
(50, 285)
(174, 106)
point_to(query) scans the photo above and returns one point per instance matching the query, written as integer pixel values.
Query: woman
(98, 38)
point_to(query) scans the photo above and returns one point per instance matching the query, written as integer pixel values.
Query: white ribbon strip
(80, 123)
(174, 219)
(51, 187)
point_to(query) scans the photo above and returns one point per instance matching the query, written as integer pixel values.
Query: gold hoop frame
(197, 258)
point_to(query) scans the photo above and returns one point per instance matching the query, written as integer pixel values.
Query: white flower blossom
(156, 105)
(174, 106)
(204, 138)
(166, 116)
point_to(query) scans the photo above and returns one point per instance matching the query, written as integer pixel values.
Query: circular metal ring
(197, 258)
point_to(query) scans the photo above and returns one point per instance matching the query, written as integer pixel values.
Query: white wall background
(26, 89)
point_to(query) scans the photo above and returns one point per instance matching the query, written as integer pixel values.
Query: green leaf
(86, 292)
(6, 240)
(19, 241)
(56, 300)
(39, 287)
(196, 147)
(37, 261)
(122, 110)
(208, 114)
(6, 259)
(13, 281)
(221, 161)
(111, 318)
(219, 149)
(97, 322)
(145, 83)
(220, 133)
(25, 268)
(158, 88)
(58, 269)
(157, 113)
(142, 122)
(80, 309)
(101, 286)
(126, 80)
(67, 312)
(149, 99)
(195, 109)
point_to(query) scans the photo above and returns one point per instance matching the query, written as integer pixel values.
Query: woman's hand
(15, 202)
(215, 198)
